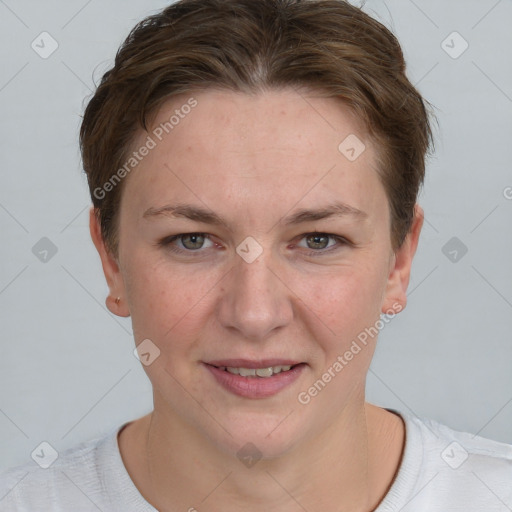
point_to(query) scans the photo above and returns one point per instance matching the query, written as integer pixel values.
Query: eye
(319, 242)
(190, 242)
(194, 242)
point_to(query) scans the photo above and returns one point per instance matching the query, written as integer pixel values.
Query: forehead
(258, 122)
(268, 150)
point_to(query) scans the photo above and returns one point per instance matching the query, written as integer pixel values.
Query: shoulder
(457, 468)
(70, 482)
(459, 447)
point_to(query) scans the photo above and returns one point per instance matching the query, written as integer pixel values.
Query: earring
(117, 301)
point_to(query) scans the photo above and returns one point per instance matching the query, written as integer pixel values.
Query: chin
(258, 435)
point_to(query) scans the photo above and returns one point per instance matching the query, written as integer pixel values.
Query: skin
(254, 160)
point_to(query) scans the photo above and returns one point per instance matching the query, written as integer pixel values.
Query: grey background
(67, 368)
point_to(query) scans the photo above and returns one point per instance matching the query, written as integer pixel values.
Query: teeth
(260, 372)
(264, 372)
(247, 372)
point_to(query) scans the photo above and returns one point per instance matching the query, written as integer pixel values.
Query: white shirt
(442, 470)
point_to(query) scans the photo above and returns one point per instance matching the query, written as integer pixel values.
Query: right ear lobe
(111, 269)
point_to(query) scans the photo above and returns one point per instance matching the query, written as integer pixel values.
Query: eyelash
(167, 243)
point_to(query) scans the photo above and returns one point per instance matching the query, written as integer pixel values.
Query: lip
(248, 363)
(254, 387)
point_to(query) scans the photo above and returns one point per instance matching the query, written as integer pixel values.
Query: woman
(254, 169)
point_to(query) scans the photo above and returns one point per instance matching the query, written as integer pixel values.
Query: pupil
(316, 239)
(194, 241)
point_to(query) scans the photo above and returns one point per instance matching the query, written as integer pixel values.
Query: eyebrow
(199, 214)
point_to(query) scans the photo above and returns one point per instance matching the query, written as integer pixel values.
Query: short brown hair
(328, 46)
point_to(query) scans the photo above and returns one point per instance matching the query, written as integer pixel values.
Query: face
(278, 255)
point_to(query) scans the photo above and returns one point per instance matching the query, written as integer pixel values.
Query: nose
(255, 301)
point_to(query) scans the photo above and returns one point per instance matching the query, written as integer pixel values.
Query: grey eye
(317, 240)
(192, 241)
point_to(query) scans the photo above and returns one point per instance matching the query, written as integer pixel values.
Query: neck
(349, 466)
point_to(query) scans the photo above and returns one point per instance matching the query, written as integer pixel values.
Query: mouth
(255, 379)
(263, 372)
(263, 368)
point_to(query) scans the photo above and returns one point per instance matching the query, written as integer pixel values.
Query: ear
(110, 269)
(395, 296)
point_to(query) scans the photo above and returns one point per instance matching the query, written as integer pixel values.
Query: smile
(252, 379)
(256, 372)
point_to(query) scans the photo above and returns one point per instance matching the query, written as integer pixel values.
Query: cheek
(346, 308)
(345, 300)
(175, 304)
(167, 303)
